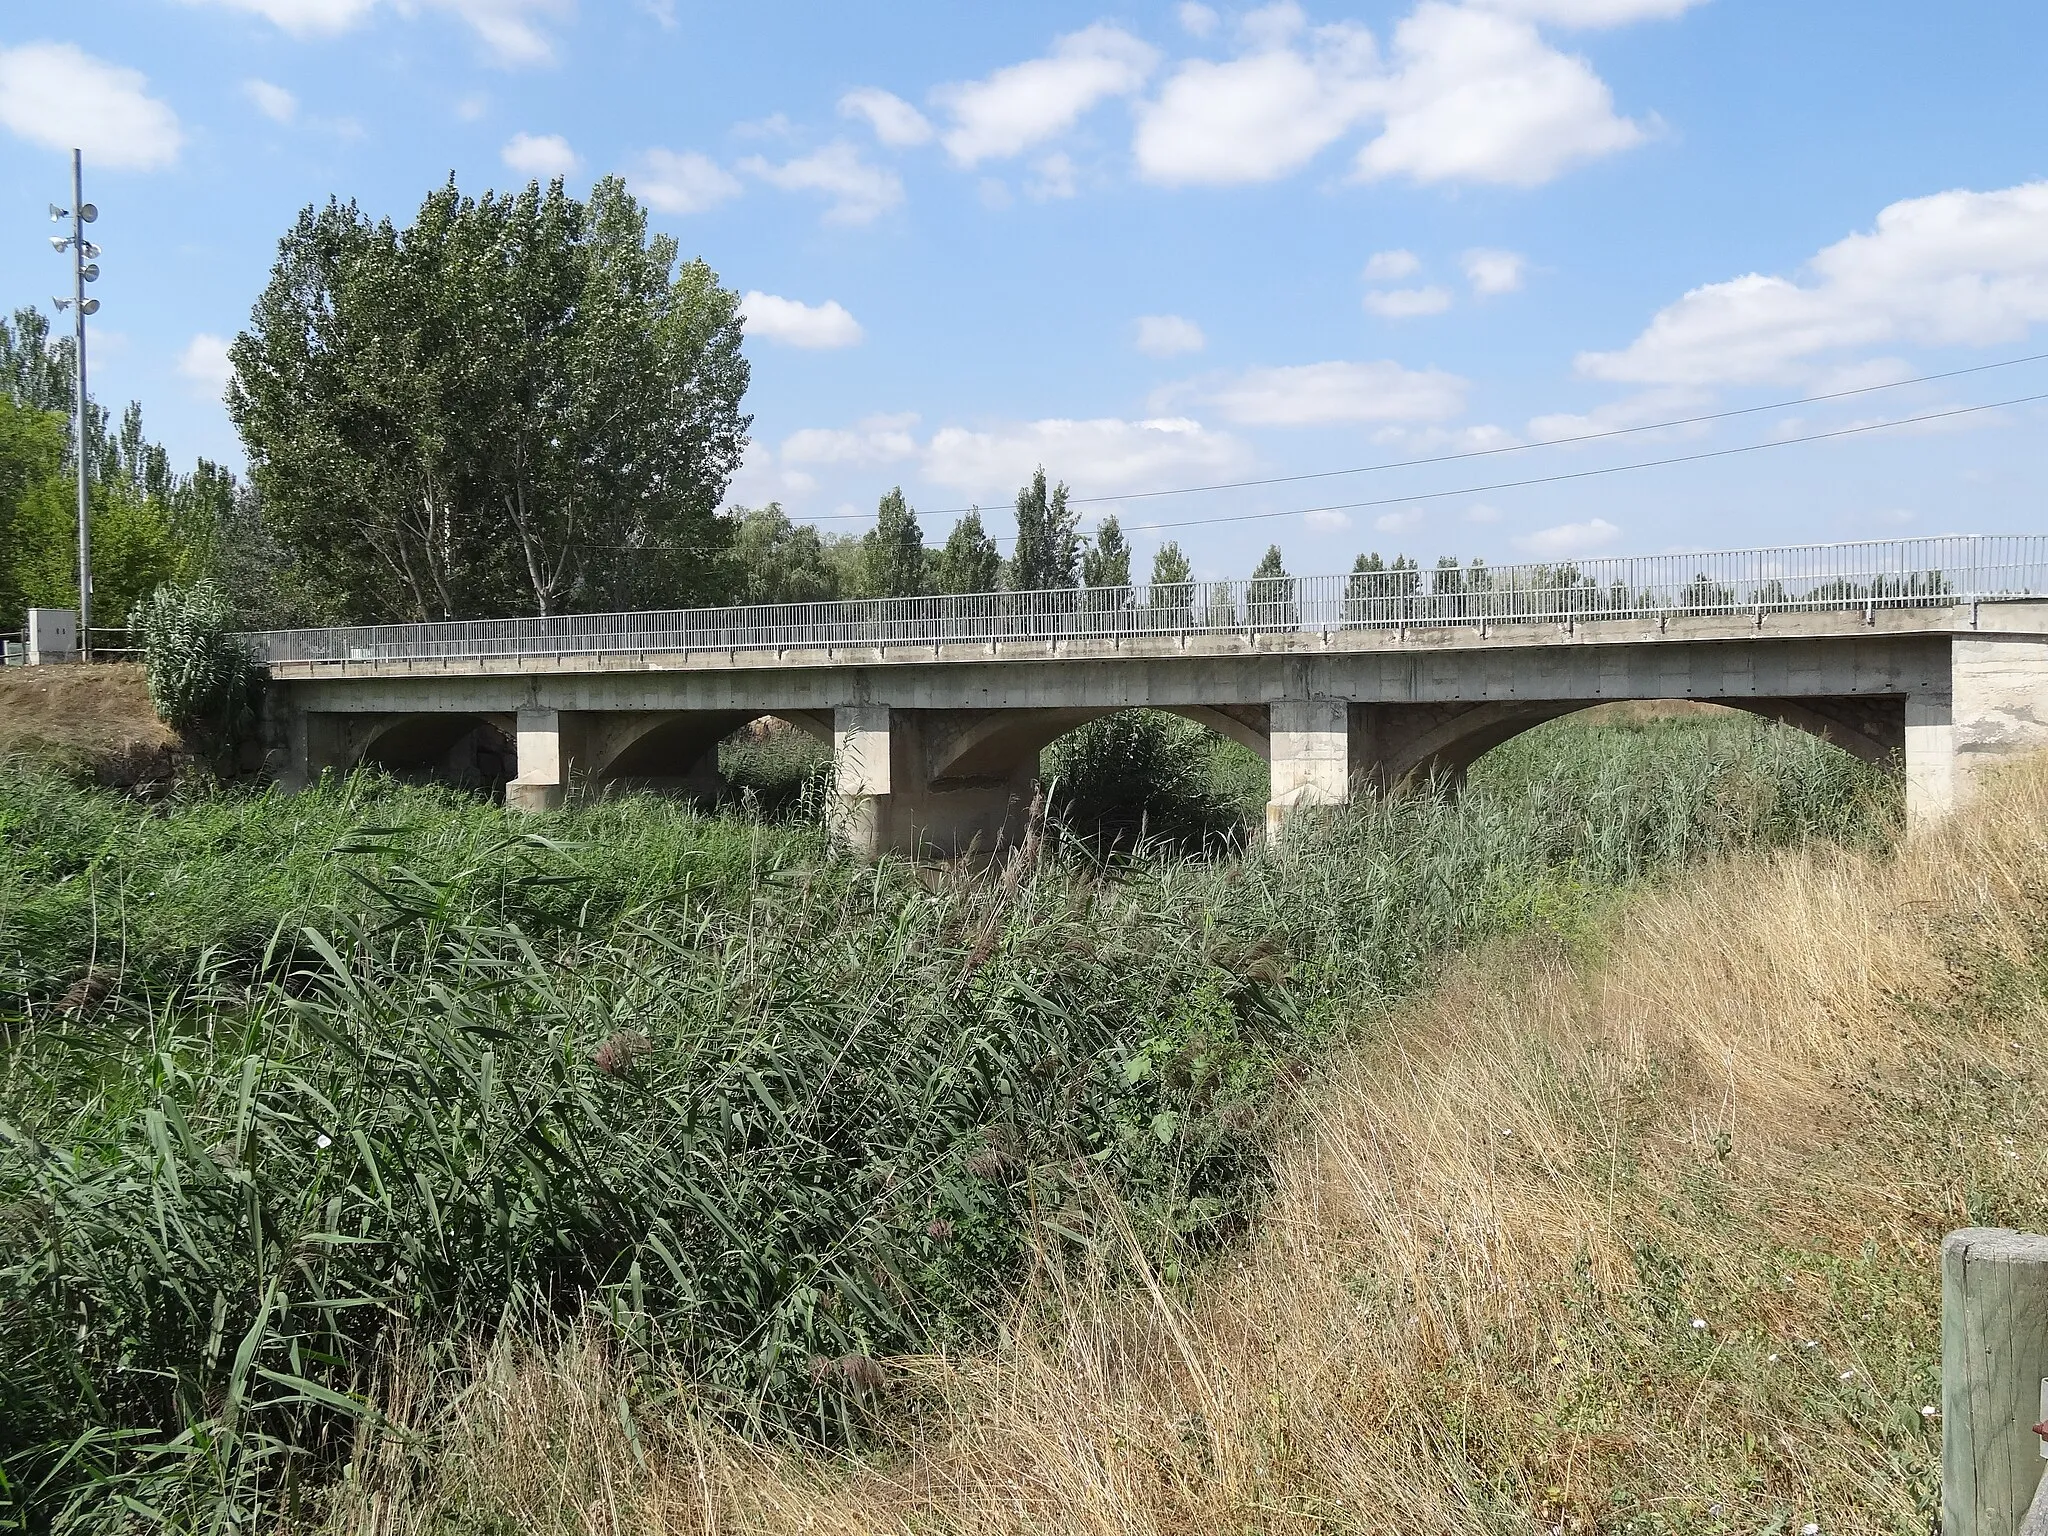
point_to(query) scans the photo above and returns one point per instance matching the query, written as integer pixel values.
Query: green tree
(1048, 552)
(149, 523)
(35, 368)
(517, 402)
(31, 458)
(1269, 600)
(1172, 594)
(133, 547)
(893, 562)
(1106, 562)
(772, 560)
(969, 562)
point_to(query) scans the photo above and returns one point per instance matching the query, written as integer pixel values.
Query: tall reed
(295, 1089)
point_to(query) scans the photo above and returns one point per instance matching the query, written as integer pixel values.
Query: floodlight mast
(79, 406)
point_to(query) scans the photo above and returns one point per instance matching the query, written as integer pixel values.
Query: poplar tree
(1269, 600)
(517, 403)
(892, 554)
(1173, 581)
(1048, 550)
(1107, 560)
(969, 562)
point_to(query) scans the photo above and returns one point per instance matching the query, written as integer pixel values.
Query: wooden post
(1994, 1373)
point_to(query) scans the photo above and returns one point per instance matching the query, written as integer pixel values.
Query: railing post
(1994, 1383)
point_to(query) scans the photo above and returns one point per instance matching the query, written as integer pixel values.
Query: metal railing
(1901, 573)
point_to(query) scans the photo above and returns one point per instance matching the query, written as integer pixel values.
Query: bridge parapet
(1730, 588)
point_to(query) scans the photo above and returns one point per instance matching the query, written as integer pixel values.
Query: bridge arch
(1446, 741)
(1001, 745)
(470, 751)
(675, 749)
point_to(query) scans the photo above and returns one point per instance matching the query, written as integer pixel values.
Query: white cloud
(273, 101)
(1102, 457)
(1257, 117)
(1169, 336)
(1958, 268)
(205, 363)
(683, 181)
(1494, 272)
(306, 18)
(1569, 539)
(759, 479)
(797, 324)
(1591, 13)
(1480, 512)
(1053, 177)
(776, 125)
(1397, 522)
(473, 106)
(543, 156)
(1326, 519)
(1314, 394)
(61, 97)
(1025, 104)
(1478, 96)
(877, 440)
(1637, 410)
(1391, 266)
(859, 192)
(1196, 19)
(894, 121)
(510, 30)
(1407, 303)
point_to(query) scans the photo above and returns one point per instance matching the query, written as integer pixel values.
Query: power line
(1487, 453)
(1588, 474)
(1510, 485)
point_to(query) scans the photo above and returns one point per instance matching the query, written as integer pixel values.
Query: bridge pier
(893, 792)
(550, 742)
(1312, 756)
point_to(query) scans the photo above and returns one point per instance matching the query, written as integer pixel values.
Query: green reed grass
(290, 1087)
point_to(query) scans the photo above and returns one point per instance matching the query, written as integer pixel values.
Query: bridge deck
(2005, 616)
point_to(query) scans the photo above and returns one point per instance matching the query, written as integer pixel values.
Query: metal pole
(84, 494)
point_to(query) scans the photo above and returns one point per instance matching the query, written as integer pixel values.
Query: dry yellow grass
(99, 714)
(1628, 1240)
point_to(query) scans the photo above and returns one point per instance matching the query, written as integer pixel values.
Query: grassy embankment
(1634, 1233)
(308, 1101)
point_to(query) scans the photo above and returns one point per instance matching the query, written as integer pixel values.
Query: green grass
(292, 1084)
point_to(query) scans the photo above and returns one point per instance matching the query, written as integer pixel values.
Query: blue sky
(1169, 244)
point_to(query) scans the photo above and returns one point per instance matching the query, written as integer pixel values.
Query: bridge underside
(942, 757)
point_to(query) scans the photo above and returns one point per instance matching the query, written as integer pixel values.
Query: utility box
(52, 635)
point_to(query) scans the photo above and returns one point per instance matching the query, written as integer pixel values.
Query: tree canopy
(970, 561)
(149, 524)
(1106, 562)
(517, 403)
(892, 554)
(1048, 549)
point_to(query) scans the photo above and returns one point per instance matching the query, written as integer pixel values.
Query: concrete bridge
(1931, 655)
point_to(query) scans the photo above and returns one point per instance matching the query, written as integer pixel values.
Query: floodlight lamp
(90, 272)
(89, 307)
(88, 249)
(59, 213)
(88, 212)
(62, 304)
(60, 243)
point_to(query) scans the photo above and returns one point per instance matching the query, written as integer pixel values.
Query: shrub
(200, 674)
(1143, 773)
